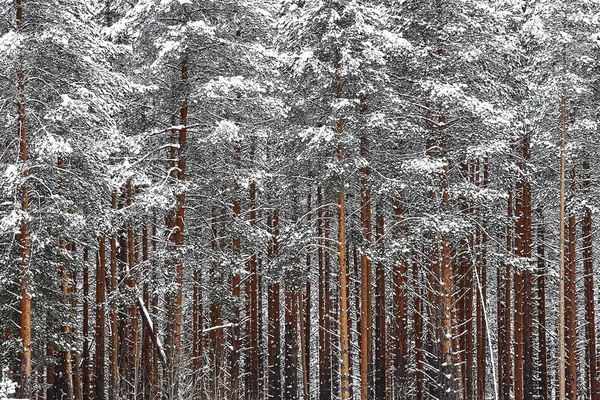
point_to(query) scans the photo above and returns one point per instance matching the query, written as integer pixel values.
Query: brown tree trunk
(343, 266)
(25, 384)
(418, 323)
(523, 326)
(570, 303)
(449, 366)
(85, 364)
(133, 326)
(380, 319)
(176, 227)
(366, 285)
(324, 352)
(254, 349)
(400, 309)
(274, 332)
(544, 392)
(482, 298)
(290, 353)
(506, 363)
(216, 335)
(306, 319)
(147, 349)
(113, 385)
(588, 271)
(99, 376)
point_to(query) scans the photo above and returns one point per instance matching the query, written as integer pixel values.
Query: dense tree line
(298, 199)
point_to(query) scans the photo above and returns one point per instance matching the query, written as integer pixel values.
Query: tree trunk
(85, 365)
(380, 319)
(588, 271)
(482, 297)
(99, 358)
(291, 343)
(254, 303)
(418, 323)
(570, 303)
(274, 333)
(324, 353)
(523, 326)
(504, 313)
(544, 392)
(400, 309)
(113, 386)
(306, 319)
(366, 285)
(25, 384)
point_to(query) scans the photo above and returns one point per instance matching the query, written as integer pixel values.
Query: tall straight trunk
(504, 313)
(252, 293)
(528, 303)
(343, 266)
(400, 309)
(465, 266)
(544, 392)
(25, 384)
(235, 332)
(274, 332)
(133, 343)
(99, 376)
(418, 324)
(482, 298)
(324, 353)
(216, 320)
(570, 303)
(356, 277)
(77, 391)
(523, 325)
(65, 381)
(113, 386)
(290, 353)
(380, 318)
(176, 236)
(147, 348)
(85, 362)
(366, 285)
(588, 271)
(449, 366)
(197, 328)
(306, 316)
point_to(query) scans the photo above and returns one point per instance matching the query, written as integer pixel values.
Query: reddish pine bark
(274, 332)
(85, 365)
(99, 354)
(588, 270)
(482, 297)
(571, 304)
(324, 352)
(541, 287)
(366, 285)
(290, 353)
(254, 304)
(113, 385)
(25, 384)
(380, 315)
(400, 309)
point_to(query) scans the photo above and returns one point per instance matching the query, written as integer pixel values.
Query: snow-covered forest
(299, 199)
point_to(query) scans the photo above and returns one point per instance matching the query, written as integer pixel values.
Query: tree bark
(366, 285)
(274, 333)
(571, 303)
(588, 270)
(541, 287)
(380, 315)
(25, 384)
(99, 357)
